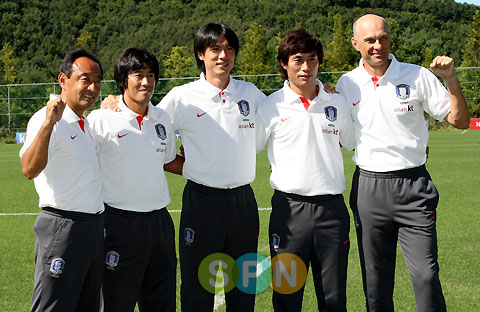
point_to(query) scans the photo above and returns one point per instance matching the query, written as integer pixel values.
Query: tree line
(35, 35)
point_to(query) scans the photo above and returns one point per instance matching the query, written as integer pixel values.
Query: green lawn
(453, 163)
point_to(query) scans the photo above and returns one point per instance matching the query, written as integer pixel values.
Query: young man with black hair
(59, 155)
(304, 126)
(215, 117)
(134, 146)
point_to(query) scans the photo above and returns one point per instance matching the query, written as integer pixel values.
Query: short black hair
(298, 41)
(131, 60)
(69, 59)
(208, 35)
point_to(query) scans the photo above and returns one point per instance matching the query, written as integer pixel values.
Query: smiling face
(80, 91)
(219, 60)
(302, 70)
(140, 86)
(372, 40)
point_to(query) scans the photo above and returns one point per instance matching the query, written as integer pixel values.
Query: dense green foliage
(41, 32)
(35, 35)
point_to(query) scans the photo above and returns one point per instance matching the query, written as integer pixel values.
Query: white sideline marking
(35, 213)
(219, 298)
(19, 214)
(219, 301)
(262, 266)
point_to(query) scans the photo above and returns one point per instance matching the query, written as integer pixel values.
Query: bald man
(393, 197)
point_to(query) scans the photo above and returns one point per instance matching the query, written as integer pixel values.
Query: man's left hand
(443, 66)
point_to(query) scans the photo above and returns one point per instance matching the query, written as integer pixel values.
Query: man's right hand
(111, 102)
(55, 110)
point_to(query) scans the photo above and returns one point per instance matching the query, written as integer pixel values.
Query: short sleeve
(171, 151)
(94, 128)
(435, 97)
(169, 105)
(33, 127)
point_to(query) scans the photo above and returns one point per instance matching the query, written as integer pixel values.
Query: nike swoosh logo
(355, 104)
(284, 119)
(200, 115)
(73, 137)
(121, 136)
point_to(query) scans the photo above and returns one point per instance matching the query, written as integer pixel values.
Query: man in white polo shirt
(133, 146)
(393, 197)
(215, 117)
(304, 126)
(59, 156)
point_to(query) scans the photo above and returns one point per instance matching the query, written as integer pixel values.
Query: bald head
(369, 20)
(372, 39)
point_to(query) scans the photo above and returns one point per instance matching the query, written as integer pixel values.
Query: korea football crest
(403, 91)
(275, 241)
(56, 267)
(161, 131)
(189, 235)
(111, 259)
(331, 113)
(244, 107)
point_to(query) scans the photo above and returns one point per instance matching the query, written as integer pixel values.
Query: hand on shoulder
(111, 102)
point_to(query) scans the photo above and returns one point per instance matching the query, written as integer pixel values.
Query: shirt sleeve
(94, 129)
(435, 97)
(264, 125)
(340, 86)
(169, 104)
(171, 151)
(347, 139)
(33, 127)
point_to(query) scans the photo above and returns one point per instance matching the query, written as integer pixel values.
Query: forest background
(35, 35)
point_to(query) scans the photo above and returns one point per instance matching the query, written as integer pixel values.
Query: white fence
(18, 102)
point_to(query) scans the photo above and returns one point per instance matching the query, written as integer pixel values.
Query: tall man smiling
(393, 197)
(215, 117)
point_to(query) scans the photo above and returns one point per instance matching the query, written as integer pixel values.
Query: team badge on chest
(403, 91)
(331, 113)
(244, 107)
(161, 131)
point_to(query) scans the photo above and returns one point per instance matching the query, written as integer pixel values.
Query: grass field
(453, 163)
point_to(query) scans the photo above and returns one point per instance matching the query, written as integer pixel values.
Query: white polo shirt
(303, 145)
(389, 125)
(71, 180)
(217, 128)
(132, 152)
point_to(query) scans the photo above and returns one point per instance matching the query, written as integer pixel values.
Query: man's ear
(200, 55)
(62, 79)
(355, 43)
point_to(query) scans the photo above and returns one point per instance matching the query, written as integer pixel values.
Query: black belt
(404, 173)
(71, 214)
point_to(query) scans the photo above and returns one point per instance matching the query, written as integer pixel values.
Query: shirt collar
(69, 115)
(291, 97)
(392, 72)
(128, 113)
(213, 92)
